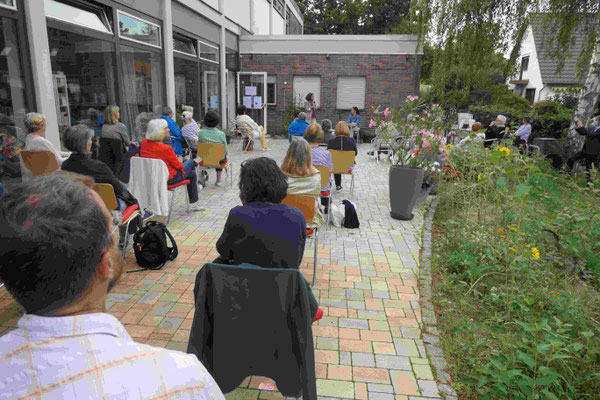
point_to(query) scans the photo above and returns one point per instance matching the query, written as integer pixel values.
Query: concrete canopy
(329, 44)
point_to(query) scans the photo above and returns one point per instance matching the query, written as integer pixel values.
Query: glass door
(252, 88)
(231, 103)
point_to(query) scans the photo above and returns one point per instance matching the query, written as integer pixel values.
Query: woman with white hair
(36, 137)
(153, 147)
(190, 130)
(495, 131)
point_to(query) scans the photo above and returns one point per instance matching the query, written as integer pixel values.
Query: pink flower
(386, 112)
(451, 133)
(422, 119)
(372, 123)
(376, 111)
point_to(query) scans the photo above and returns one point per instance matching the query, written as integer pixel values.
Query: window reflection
(138, 30)
(83, 70)
(187, 85)
(210, 86)
(142, 86)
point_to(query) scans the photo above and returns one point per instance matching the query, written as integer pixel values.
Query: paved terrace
(367, 346)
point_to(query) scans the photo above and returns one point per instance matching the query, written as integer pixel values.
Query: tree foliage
(353, 17)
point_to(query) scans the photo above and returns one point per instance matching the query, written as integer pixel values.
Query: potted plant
(413, 134)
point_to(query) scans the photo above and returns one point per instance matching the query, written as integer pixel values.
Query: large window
(304, 85)
(13, 103)
(351, 92)
(209, 52)
(187, 85)
(93, 18)
(83, 70)
(271, 90)
(530, 95)
(142, 84)
(210, 86)
(8, 4)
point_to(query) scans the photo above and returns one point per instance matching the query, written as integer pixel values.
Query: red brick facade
(389, 79)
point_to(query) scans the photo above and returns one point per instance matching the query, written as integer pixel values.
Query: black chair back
(112, 153)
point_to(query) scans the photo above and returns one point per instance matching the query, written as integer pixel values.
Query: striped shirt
(92, 356)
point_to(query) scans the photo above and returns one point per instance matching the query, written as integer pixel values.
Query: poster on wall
(214, 101)
(257, 102)
(248, 101)
(250, 91)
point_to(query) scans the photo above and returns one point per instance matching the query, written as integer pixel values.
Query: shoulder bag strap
(173, 251)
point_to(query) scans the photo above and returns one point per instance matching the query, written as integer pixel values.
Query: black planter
(405, 187)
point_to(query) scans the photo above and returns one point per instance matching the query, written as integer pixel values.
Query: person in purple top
(262, 231)
(320, 157)
(522, 134)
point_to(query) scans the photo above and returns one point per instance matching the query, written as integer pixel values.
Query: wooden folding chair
(247, 136)
(211, 154)
(325, 180)
(306, 204)
(40, 162)
(342, 161)
(107, 193)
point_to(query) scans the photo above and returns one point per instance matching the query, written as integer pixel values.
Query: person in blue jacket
(298, 126)
(174, 131)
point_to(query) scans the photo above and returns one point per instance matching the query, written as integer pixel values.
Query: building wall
(389, 80)
(533, 73)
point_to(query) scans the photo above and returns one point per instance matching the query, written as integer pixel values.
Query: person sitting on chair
(328, 131)
(153, 147)
(297, 126)
(522, 134)
(58, 261)
(174, 132)
(190, 130)
(78, 139)
(210, 134)
(342, 141)
(354, 121)
(262, 231)
(113, 129)
(590, 150)
(302, 177)
(256, 130)
(495, 131)
(36, 138)
(320, 157)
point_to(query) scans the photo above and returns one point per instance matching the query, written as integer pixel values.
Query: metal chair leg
(187, 197)
(316, 233)
(171, 205)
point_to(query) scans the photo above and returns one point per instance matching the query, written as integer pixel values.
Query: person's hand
(492, 123)
(135, 144)
(579, 124)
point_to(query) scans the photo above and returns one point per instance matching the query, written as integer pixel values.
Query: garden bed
(516, 266)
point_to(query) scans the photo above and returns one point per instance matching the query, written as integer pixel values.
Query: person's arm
(329, 162)
(353, 144)
(172, 159)
(357, 119)
(520, 131)
(226, 244)
(122, 131)
(349, 120)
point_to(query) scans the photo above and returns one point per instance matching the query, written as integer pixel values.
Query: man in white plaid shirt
(59, 259)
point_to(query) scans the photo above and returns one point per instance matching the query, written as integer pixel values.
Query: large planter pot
(405, 187)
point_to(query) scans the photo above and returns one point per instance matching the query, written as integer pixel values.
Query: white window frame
(13, 7)
(209, 45)
(337, 100)
(106, 23)
(119, 12)
(183, 52)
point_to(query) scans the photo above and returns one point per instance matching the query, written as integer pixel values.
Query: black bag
(350, 216)
(150, 246)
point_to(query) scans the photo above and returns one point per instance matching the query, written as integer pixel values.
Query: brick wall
(389, 79)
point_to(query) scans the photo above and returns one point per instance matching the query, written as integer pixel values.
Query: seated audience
(113, 129)
(477, 135)
(60, 270)
(342, 141)
(328, 131)
(496, 130)
(257, 131)
(36, 138)
(210, 134)
(302, 177)
(152, 147)
(175, 136)
(190, 130)
(320, 157)
(297, 126)
(78, 139)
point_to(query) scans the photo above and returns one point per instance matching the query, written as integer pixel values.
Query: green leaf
(549, 394)
(522, 190)
(501, 182)
(545, 380)
(577, 346)
(587, 334)
(543, 348)
(527, 359)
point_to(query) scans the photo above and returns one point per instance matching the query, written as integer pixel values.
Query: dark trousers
(189, 173)
(338, 179)
(590, 159)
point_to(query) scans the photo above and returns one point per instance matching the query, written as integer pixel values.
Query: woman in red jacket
(153, 147)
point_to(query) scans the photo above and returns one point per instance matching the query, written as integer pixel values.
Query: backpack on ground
(151, 248)
(350, 215)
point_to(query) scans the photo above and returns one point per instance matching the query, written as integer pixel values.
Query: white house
(536, 77)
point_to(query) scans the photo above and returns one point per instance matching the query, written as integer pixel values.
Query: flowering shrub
(413, 133)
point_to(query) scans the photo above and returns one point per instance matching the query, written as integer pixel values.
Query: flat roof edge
(368, 38)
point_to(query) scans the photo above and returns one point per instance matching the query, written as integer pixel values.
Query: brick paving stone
(380, 396)
(404, 382)
(353, 323)
(329, 387)
(363, 360)
(384, 348)
(393, 362)
(339, 372)
(375, 375)
(423, 371)
(428, 388)
(406, 347)
(378, 387)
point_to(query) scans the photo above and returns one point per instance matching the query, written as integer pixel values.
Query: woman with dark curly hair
(263, 231)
